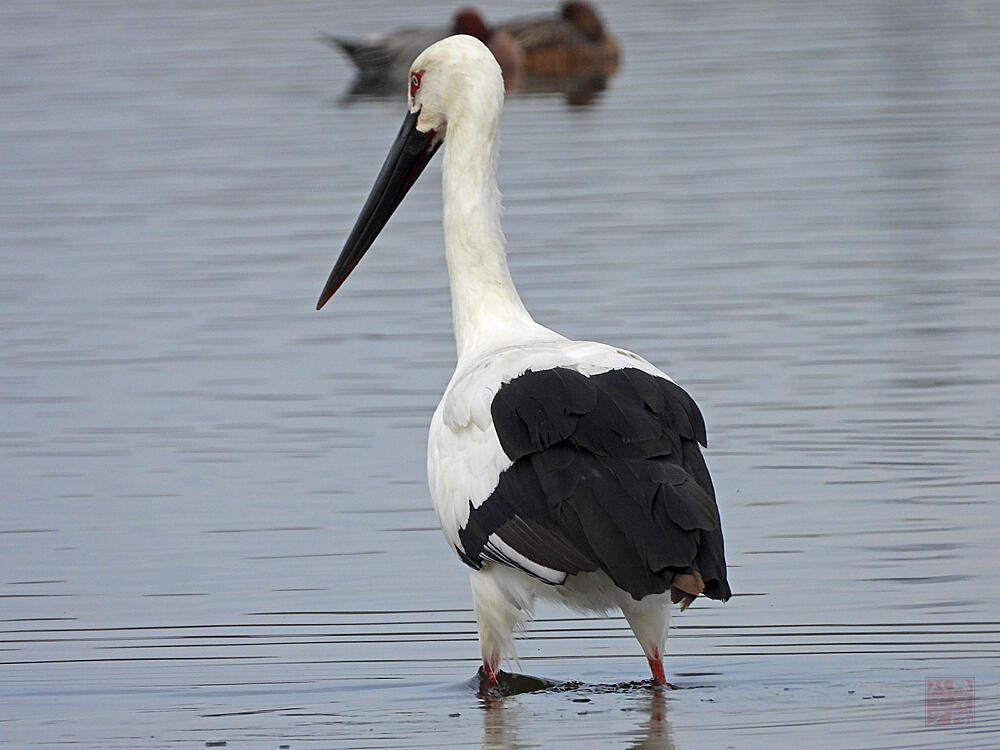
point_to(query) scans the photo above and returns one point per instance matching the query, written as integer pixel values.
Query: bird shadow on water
(579, 89)
(510, 684)
(504, 722)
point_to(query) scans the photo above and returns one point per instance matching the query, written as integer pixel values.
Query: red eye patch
(415, 82)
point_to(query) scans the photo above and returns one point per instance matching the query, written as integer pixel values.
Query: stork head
(450, 77)
(456, 80)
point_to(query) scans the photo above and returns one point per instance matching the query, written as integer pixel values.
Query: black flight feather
(606, 475)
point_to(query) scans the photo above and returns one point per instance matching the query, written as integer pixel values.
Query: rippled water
(215, 522)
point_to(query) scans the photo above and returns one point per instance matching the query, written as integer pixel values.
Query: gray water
(215, 525)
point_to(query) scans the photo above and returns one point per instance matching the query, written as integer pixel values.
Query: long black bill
(410, 153)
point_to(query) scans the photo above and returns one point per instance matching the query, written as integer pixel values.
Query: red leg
(656, 667)
(489, 684)
(490, 668)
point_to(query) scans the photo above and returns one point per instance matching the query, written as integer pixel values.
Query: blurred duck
(383, 60)
(500, 42)
(570, 42)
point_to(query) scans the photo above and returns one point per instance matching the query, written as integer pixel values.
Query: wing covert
(606, 474)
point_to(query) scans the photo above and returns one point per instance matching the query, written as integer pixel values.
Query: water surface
(215, 520)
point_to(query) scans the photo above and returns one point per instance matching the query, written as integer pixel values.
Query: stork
(568, 470)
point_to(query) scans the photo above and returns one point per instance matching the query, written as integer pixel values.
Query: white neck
(486, 309)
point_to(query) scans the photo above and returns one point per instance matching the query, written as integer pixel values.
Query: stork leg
(501, 606)
(649, 619)
(656, 667)
(488, 672)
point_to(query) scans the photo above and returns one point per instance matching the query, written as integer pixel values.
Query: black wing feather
(606, 475)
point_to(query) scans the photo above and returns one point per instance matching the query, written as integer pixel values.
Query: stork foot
(488, 673)
(656, 667)
(488, 683)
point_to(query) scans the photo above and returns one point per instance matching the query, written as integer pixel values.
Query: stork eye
(415, 82)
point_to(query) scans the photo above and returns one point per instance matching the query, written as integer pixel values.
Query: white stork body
(464, 463)
(557, 468)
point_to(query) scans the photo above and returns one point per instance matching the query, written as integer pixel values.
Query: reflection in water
(579, 88)
(501, 724)
(504, 720)
(653, 732)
